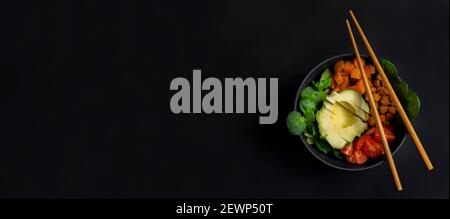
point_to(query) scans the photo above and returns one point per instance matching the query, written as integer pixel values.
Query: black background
(85, 97)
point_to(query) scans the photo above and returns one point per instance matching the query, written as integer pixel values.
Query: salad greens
(322, 145)
(310, 115)
(338, 154)
(408, 98)
(311, 98)
(412, 104)
(310, 92)
(325, 75)
(296, 123)
(389, 69)
(401, 89)
(307, 103)
(324, 82)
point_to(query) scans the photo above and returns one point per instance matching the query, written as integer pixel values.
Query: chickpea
(371, 121)
(383, 118)
(382, 91)
(392, 110)
(376, 83)
(376, 97)
(383, 109)
(385, 100)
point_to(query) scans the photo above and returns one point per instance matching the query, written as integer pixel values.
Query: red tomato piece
(360, 142)
(372, 149)
(351, 158)
(360, 157)
(370, 131)
(347, 150)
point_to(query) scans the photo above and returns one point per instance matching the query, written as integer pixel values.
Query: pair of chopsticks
(373, 107)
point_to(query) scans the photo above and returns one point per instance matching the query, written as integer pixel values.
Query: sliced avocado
(338, 125)
(345, 119)
(331, 97)
(335, 140)
(346, 104)
(354, 109)
(353, 98)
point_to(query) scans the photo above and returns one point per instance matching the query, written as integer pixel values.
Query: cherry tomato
(348, 149)
(351, 158)
(372, 149)
(360, 142)
(370, 131)
(360, 157)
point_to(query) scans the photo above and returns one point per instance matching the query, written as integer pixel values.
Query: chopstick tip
(347, 23)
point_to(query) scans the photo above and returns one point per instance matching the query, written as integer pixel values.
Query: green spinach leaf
(307, 104)
(323, 84)
(412, 105)
(310, 92)
(389, 69)
(310, 115)
(401, 89)
(296, 123)
(338, 154)
(312, 129)
(322, 145)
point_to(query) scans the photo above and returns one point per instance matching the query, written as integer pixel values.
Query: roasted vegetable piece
(338, 78)
(339, 66)
(359, 87)
(355, 74)
(355, 62)
(369, 70)
(348, 67)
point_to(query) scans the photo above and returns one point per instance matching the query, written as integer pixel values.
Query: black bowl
(329, 158)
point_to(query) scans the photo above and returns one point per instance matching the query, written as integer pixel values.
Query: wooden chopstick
(373, 109)
(397, 103)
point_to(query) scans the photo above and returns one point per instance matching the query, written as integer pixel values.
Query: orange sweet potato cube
(359, 87)
(369, 70)
(344, 85)
(355, 74)
(348, 67)
(338, 78)
(339, 66)
(355, 62)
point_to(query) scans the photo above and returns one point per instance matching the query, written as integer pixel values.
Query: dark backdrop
(84, 94)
